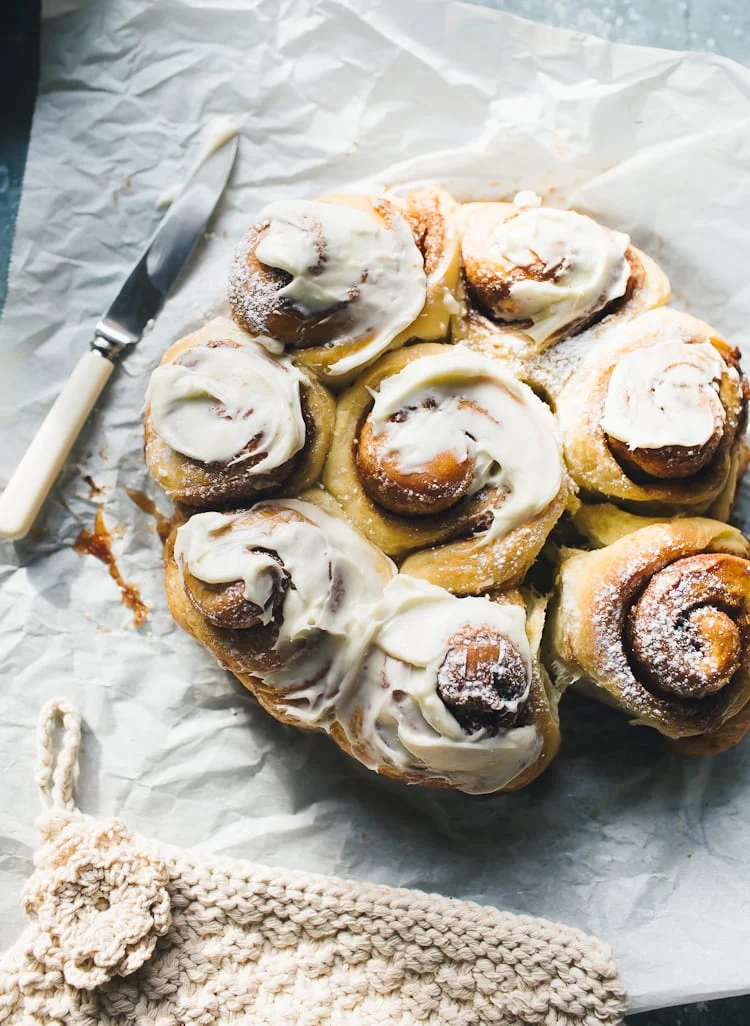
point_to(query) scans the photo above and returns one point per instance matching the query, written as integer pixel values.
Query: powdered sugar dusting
(342, 274)
(664, 623)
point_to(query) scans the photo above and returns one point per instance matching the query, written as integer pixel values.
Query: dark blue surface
(732, 1012)
(19, 70)
(19, 65)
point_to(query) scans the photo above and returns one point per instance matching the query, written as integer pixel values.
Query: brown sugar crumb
(98, 543)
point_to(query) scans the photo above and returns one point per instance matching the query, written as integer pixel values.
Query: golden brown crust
(431, 215)
(684, 587)
(596, 462)
(667, 463)
(702, 746)
(223, 605)
(447, 548)
(602, 524)
(471, 566)
(702, 598)
(436, 487)
(215, 485)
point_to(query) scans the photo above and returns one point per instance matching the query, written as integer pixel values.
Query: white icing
(220, 129)
(588, 261)
(527, 200)
(450, 302)
(167, 196)
(664, 395)
(337, 580)
(360, 649)
(478, 411)
(394, 712)
(338, 254)
(210, 402)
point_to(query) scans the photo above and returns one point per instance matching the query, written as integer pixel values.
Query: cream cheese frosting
(361, 645)
(334, 580)
(337, 254)
(394, 714)
(666, 395)
(572, 267)
(527, 200)
(465, 403)
(217, 131)
(224, 402)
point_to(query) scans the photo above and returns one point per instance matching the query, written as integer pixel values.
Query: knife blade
(152, 278)
(122, 326)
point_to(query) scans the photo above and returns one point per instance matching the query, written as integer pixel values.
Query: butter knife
(121, 327)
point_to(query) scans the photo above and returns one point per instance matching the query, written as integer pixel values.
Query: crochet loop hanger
(56, 771)
(125, 929)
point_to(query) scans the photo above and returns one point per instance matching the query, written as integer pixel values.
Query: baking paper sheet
(619, 837)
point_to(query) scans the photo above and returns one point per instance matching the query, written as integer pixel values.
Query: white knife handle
(43, 460)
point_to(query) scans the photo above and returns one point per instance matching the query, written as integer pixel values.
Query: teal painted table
(719, 26)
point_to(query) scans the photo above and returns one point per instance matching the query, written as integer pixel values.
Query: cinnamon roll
(451, 692)
(657, 622)
(282, 595)
(440, 449)
(655, 418)
(226, 421)
(431, 215)
(338, 280)
(536, 275)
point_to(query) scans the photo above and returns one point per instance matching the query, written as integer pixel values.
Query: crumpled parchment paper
(619, 837)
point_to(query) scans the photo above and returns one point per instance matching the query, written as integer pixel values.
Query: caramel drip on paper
(98, 543)
(143, 502)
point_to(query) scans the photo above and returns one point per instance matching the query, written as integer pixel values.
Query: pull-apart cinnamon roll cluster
(425, 427)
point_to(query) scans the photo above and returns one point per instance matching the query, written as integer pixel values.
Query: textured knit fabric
(129, 931)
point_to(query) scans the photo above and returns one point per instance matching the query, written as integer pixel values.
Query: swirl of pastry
(432, 447)
(654, 418)
(538, 277)
(339, 279)
(657, 621)
(663, 414)
(451, 693)
(226, 421)
(688, 628)
(431, 213)
(551, 271)
(281, 594)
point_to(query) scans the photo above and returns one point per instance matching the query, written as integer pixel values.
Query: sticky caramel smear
(142, 501)
(95, 490)
(98, 543)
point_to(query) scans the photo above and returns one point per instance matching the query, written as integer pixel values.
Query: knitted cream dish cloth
(125, 930)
